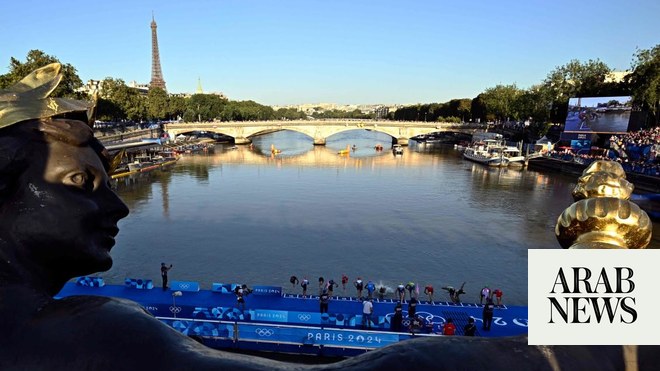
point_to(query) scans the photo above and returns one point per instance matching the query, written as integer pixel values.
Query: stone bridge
(320, 130)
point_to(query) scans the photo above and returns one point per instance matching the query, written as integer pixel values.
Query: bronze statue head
(59, 210)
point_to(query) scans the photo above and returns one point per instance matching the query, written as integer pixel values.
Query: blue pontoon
(274, 321)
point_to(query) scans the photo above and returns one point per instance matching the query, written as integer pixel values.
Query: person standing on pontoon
(485, 294)
(163, 274)
(321, 285)
(359, 285)
(331, 286)
(401, 291)
(344, 281)
(294, 281)
(370, 289)
(428, 290)
(304, 284)
(324, 300)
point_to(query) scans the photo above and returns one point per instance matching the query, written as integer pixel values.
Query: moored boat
(488, 152)
(514, 156)
(461, 146)
(144, 164)
(140, 162)
(344, 151)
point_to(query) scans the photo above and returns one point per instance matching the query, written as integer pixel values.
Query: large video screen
(598, 115)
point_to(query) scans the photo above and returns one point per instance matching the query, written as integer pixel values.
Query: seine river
(428, 216)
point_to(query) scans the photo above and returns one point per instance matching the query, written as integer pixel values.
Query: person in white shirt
(367, 310)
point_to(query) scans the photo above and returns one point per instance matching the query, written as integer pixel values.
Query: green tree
(107, 110)
(253, 111)
(478, 108)
(534, 104)
(117, 101)
(231, 112)
(575, 79)
(177, 107)
(500, 102)
(461, 108)
(536, 130)
(189, 115)
(644, 82)
(157, 104)
(36, 59)
(137, 110)
(289, 114)
(409, 113)
(204, 107)
(198, 108)
(578, 79)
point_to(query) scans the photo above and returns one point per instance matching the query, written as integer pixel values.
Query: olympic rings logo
(520, 321)
(174, 309)
(426, 315)
(264, 332)
(304, 317)
(184, 286)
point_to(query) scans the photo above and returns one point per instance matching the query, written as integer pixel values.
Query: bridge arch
(320, 130)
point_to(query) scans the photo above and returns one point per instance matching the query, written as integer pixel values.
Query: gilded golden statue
(603, 217)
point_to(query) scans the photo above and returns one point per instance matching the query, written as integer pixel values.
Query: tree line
(541, 104)
(547, 102)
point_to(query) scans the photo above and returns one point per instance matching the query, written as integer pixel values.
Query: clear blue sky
(339, 51)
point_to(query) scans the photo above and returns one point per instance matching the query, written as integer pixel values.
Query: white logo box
(641, 306)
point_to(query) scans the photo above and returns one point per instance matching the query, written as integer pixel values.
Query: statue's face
(66, 214)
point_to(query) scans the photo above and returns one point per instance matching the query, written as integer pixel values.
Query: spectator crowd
(637, 152)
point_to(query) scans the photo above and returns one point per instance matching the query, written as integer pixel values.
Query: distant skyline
(344, 52)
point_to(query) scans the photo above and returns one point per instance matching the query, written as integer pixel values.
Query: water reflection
(314, 156)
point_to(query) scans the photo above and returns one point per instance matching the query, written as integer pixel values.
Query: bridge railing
(135, 134)
(328, 122)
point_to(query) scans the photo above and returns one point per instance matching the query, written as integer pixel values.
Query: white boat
(489, 152)
(479, 137)
(140, 162)
(135, 166)
(397, 149)
(514, 156)
(461, 146)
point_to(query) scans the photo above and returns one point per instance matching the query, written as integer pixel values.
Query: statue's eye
(78, 179)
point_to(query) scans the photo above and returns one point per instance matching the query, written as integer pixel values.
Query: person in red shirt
(449, 328)
(498, 295)
(428, 290)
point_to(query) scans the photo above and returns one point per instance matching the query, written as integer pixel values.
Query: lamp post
(174, 295)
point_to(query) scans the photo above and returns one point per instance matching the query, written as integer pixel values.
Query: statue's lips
(108, 237)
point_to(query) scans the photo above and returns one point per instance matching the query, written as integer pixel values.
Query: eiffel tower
(156, 73)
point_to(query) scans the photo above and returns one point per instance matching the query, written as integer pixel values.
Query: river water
(428, 216)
